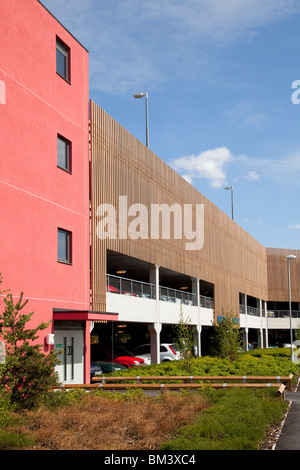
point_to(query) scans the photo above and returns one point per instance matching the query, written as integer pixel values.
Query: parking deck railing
(168, 294)
(124, 286)
(283, 314)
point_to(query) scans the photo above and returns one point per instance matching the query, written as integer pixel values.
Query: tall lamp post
(231, 187)
(142, 95)
(289, 257)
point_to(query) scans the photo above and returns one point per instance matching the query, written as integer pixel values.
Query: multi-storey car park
(101, 235)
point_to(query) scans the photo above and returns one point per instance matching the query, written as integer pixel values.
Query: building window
(63, 60)
(63, 153)
(64, 246)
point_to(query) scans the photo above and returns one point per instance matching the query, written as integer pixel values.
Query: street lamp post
(142, 95)
(289, 257)
(231, 187)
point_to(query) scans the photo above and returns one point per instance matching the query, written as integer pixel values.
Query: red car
(120, 356)
(112, 289)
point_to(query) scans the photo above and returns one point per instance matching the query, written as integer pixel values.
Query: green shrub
(5, 408)
(14, 441)
(245, 364)
(10, 440)
(226, 341)
(27, 373)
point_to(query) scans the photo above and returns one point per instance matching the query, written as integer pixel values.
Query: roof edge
(39, 1)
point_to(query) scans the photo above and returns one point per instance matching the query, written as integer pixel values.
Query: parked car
(120, 357)
(122, 351)
(96, 370)
(112, 289)
(108, 367)
(168, 352)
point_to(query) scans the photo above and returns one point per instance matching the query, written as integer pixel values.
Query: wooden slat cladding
(122, 166)
(278, 275)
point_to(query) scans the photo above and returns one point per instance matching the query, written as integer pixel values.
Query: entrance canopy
(83, 315)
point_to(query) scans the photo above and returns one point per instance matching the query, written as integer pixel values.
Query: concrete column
(154, 279)
(198, 327)
(246, 329)
(259, 338)
(246, 338)
(262, 342)
(196, 290)
(154, 330)
(197, 339)
(266, 320)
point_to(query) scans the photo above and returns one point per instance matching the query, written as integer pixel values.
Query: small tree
(27, 373)
(184, 339)
(227, 340)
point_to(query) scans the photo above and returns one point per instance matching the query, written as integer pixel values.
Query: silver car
(168, 352)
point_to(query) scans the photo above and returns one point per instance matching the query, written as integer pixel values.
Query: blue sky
(219, 77)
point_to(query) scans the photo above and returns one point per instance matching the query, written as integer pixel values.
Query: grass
(11, 435)
(232, 419)
(100, 422)
(237, 419)
(227, 419)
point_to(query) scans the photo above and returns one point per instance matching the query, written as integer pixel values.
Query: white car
(288, 345)
(168, 352)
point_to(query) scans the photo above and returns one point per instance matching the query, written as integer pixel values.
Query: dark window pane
(63, 153)
(62, 60)
(61, 64)
(63, 245)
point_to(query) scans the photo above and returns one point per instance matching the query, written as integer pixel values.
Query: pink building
(49, 246)
(44, 177)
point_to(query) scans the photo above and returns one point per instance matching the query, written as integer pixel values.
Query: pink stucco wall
(37, 197)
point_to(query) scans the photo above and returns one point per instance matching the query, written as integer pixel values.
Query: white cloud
(278, 169)
(294, 227)
(187, 178)
(214, 165)
(209, 164)
(253, 176)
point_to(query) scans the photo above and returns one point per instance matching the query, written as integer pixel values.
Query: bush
(5, 409)
(245, 364)
(227, 338)
(27, 373)
(10, 440)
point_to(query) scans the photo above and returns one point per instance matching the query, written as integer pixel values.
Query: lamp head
(139, 95)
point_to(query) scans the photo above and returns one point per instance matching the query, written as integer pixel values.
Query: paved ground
(289, 438)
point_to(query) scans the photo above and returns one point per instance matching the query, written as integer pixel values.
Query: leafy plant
(184, 339)
(27, 373)
(226, 340)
